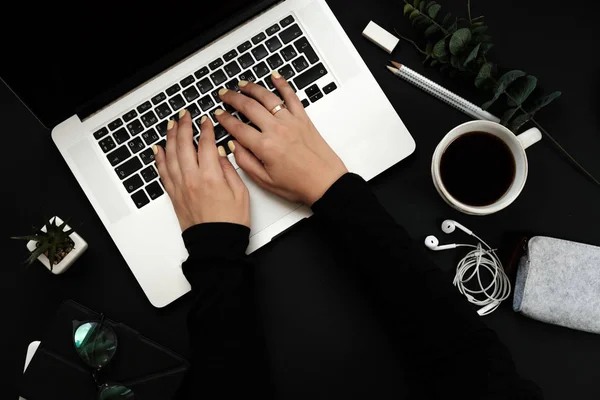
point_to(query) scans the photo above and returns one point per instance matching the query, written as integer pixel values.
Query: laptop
(106, 77)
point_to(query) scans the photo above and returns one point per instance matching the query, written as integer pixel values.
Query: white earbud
(449, 226)
(432, 243)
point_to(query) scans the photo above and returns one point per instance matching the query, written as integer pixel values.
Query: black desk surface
(323, 342)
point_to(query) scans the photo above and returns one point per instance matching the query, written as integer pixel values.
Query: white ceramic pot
(79, 247)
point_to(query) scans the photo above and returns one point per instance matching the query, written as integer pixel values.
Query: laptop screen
(63, 58)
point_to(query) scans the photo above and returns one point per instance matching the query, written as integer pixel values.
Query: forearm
(438, 334)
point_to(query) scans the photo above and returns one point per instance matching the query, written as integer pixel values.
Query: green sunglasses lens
(115, 392)
(95, 344)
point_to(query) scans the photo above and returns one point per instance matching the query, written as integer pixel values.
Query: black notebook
(57, 372)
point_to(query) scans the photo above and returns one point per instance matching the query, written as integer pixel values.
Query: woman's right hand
(287, 156)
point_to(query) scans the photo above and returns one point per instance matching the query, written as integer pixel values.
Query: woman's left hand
(203, 185)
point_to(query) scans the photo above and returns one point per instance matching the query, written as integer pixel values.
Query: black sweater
(451, 353)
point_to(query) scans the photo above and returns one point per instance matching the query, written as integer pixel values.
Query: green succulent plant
(55, 239)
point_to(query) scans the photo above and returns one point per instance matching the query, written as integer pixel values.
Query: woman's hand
(202, 185)
(289, 157)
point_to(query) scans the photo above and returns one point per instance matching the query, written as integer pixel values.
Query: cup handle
(529, 137)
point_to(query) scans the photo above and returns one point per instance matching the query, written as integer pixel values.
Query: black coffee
(477, 168)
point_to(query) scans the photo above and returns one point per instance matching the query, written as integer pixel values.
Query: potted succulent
(56, 245)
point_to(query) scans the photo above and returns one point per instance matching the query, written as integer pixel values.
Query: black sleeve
(228, 350)
(447, 351)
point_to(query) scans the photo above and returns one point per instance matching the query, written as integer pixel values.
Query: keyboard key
(309, 76)
(188, 80)
(145, 106)
(149, 173)
(201, 72)
(135, 127)
(107, 144)
(191, 94)
(129, 116)
(215, 64)
(246, 60)
(101, 133)
(305, 48)
(194, 110)
(261, 83)
(230, 55)
(233, 85)
(176, 102)
(163, 110)
(119, 155)
(206, 102)
(273, 30)
(128, 167)
(149, 119)
(133, 183)
(115, 124)
(215, 94)
(244, 46)
(121, 136)
(232, 68)
(316, 97)
(154, 190)
(269, 83)
(161, 128)
(140, 199)
(305, 103)
(275, 61)
(158, 98)
(288, 53)
(287, 71)
(291, 33)
(259, 52)
(261, 69)
(312, 90)
(329, 88)
(147, 156)
(286, 21)
(173, 89)
(150, 136)
(300, 64)
(220, 132)
(136, 145)
(247, 76)
(218, 77)
(259, 38)
(273, 44)
(204, 85)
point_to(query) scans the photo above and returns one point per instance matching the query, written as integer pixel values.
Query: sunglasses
(96, 344)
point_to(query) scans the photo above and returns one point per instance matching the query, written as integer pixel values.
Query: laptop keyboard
(127, 141)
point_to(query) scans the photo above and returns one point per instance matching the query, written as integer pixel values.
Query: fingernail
(202, 119)
(219, 111)
(276, 74)
(231, 146)
(222, 91)
(221, 150)
(155, 149)
(242, 83)
(182, 113)
(170, 124)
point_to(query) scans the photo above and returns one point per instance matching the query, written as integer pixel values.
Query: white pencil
(441, 93)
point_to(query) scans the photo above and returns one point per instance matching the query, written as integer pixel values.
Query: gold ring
(278, 108)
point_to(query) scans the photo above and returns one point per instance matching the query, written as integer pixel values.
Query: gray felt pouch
(558, 282)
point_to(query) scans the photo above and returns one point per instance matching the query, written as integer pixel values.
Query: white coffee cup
(517, 146)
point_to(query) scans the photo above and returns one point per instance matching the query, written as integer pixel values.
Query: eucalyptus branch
(431, 20)
(410, 41)
(469, 11)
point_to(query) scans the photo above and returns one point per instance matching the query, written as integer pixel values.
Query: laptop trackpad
(265, 208)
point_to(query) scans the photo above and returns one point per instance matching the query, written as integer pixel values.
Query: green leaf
(459, 40)
(434, 63)
(487, 104)
(518, 122)
(429, 49)
(28, 237)
(38, 251)
(431, 3)
(520, 90)
(483, 75)
(51, 256)
(434, 10)
(454, 61)
(420, 19)
(422, 6)
(506, 80)
(431, 29)
(413, 14)
(508, 114)
(544, 101)
(439, 49)
(408, 9)
(446, 19)
(477, 24)
(485, 47)
(472, 55)
(479, 29)
(416, 3)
